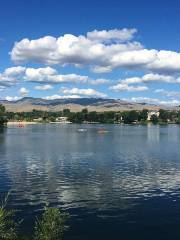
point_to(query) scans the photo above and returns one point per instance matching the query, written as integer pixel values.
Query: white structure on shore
(38, 119)
(154, 112)
(62, 120)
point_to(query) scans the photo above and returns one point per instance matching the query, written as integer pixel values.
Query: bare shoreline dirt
(21, 123)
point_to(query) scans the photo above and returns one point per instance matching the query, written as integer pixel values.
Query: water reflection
(153, 133)
(102, 174)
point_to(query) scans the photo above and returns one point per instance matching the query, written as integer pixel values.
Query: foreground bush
(51, 226)
(8, 227)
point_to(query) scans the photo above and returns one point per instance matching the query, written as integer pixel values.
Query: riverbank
(16, 123)
(21, 123)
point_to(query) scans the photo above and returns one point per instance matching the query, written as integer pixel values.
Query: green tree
(76, 117)
(52, 119)
(3, 118)
(45, 116)
(16, 117)
(154, 119)
(143, 115)
(173, 115)
(163, 115)
(85, 114)
(118, 117)
(130, 117)
(109, 117)
(93, 116)
(2, 109)
(85, 111)
(66, 112)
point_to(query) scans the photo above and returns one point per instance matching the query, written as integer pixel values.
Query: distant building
(62, 119)
(37, 119)
(154, 112)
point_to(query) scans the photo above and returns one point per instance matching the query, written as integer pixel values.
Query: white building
(154, 112)
(37, 119)
(62, 119)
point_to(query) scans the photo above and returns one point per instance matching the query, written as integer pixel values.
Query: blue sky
(117, 49)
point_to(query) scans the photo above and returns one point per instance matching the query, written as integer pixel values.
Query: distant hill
(74, 104)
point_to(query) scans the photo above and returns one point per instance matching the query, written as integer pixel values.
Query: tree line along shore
(66, 116)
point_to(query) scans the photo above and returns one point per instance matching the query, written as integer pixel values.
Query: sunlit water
(121, 184)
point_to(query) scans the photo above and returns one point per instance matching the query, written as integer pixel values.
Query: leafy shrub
(8, 227)
(51, 226)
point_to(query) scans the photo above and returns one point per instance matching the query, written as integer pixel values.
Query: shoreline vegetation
(84, 117)
(51, 225)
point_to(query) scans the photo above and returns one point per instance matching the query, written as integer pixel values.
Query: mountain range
(76, 104)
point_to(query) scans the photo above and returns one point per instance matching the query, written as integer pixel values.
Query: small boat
(82, 130)
(20, 125)
(102, 130)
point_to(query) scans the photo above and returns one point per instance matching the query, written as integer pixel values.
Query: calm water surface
(123, 184)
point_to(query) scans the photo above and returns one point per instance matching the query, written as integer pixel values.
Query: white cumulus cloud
(11, 75)
(56, 96)
(23, 91)
(155, 101)
(102, 51)
(150, 78)
(85, 92)
(121, 35)
(168, 93)
(50, 75)
(14, 75)
(43, 87)
(129, 88)
(10, 98)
